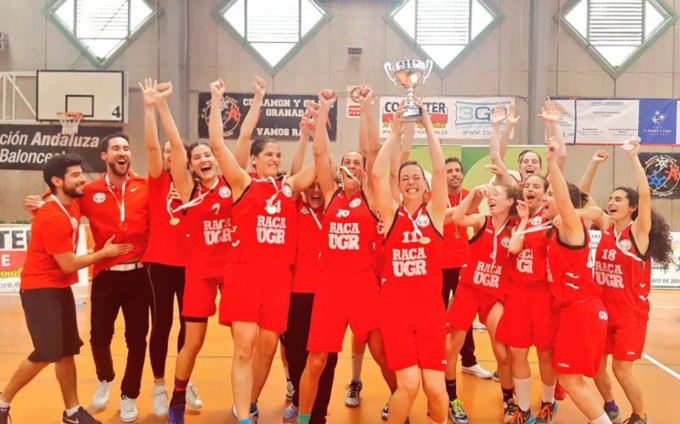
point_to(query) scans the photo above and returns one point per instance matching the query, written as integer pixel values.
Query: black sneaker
(635, 419)
(81, 416)
(353, 398)
(4, 415)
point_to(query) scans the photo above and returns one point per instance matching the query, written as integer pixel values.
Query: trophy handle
(430, 65)
(390, 72)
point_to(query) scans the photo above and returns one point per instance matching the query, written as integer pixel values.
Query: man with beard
(46, 296)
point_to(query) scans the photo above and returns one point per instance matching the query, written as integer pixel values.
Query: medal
(123, 226)
(456, 234)
(174, 221)
(424, 240)
(271, 209)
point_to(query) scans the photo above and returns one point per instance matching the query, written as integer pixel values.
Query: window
(101, 29)
(273, 30)
(443, 30)
(616, 32)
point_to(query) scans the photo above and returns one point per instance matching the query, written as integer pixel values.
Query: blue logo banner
(657, 121)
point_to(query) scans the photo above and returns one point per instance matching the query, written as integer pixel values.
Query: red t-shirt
(52, 233)
(529, 265)
(625, 278)
(307, 265)
(455, 246)
(101, 207)
(167, 243)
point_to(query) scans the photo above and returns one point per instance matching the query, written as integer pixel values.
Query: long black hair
(660, 243)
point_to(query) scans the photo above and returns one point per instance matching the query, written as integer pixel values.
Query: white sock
(4, 404)
(357, 363)
(604, 419)
(522, 387)
(72, 411)
(285, 370)
(549, 393)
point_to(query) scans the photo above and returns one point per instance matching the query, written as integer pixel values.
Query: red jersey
(106, 205)
(486, 267)
(413, 254)
(625, 278)
(455, 246)
(167, 243)
(208, 224)
(570, 278)
(350, 233)
(529, 265)
(307, 265)
(52, 233)
(264, 220)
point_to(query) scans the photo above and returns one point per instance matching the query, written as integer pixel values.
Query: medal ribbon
(121, 204)
(414, 221)
(72, 220)
(193, 202)
(625, 252)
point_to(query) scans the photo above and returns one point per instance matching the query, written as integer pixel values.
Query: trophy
(408, 74)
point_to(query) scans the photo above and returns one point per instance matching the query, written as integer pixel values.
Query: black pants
(112, 291)
(467, 353)
(299, 320)
(167, 283)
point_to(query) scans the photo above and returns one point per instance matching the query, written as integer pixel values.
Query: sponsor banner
(28, 147)
(661, 278)
(353, 108)
(13, 246)
(280, 115)
(606, 120)
(663, 173)
(452, 117)
(658, 121)
(567, 118)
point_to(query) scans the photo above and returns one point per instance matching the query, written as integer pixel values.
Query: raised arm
(407, 141)
(236, 176)
(510, 124)
(498, 115)
(551, 119)
(586, 183)
(437, 205)
(383, 196)
(367, 102)
(320, 146)
(459, 214)
(242, 149)
(517, 240)
(153, 149)
(301, 147)
(642, 225)
(571, 229)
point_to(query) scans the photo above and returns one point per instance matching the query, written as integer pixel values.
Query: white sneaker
(290, 414)
(160, 400)
(128, 410)
(101, 395)
(478, 371)
(192, 397)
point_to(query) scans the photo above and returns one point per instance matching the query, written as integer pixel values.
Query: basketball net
(69, 122)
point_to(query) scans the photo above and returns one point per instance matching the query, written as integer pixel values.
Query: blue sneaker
(290, 414)
(547, 413)
(176, 414)
(522, 417)
(254, 413)
(457, 413)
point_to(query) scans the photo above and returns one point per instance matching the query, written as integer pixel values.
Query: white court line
(662, 366)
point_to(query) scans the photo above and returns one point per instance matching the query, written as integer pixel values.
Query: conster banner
(28, 147)
(452, 117)
(279, 116)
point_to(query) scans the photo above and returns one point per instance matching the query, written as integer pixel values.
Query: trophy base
(412, 115)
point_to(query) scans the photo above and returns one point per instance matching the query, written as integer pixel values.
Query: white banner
(567, 118)
(452, 117)
(606, 121)
(661, 279)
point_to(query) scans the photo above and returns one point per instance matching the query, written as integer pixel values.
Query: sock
(451, 390)
(611, 406)
(508, 395)
(549, 394)
(3, 404)
(603, 419)
(304, 418)
(357, 363)
(179, 393)
(181, 385)
(72, 411)
(245, 421)
(522, 387)
(253, 408)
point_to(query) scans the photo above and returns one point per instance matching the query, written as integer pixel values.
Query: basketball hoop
(69, 122)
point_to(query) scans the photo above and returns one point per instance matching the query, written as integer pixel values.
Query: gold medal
(424, 240)
(456, 234)
(271, 209)
(123, 226)
(174, 221)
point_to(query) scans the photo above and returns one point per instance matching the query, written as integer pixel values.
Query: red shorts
(528, 318)
(580, 338)
(341, 300)
(413, 330)
(256, 293)
(625, 344)
(199, 296)
(467, 303)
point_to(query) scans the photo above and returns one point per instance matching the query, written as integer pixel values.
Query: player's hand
(600, 156)
(111, 250)
(149, 94)
(163, 90)
(217, 89)
(259, 86)
(33, 202)
(522, 210)
(498, 115)
(327, 98)
(512, 119)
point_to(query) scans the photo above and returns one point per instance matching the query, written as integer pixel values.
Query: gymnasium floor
(40, 402)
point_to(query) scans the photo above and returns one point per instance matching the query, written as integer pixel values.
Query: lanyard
(415, 221)
(193, 202)
(456, 233)
(618, 245)
(495, 239)
(269, 206)
(72, 220)
(313, 213)
(121, 204)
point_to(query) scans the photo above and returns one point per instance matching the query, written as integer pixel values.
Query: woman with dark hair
(633, 234)
(255, 299)
(412, 316)
(482, 285)
(582, 318)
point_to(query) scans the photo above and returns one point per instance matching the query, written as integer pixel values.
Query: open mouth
(612, 211)
(529, 171)
(531, 197)
(121, 162)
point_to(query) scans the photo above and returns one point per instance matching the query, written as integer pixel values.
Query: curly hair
(660, 242)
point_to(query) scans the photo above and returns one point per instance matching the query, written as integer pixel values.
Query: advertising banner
(663, 173)
(606, 120)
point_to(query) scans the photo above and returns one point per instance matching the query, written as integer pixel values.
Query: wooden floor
(40, 402)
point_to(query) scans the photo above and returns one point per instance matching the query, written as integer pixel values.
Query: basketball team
(370, 241)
